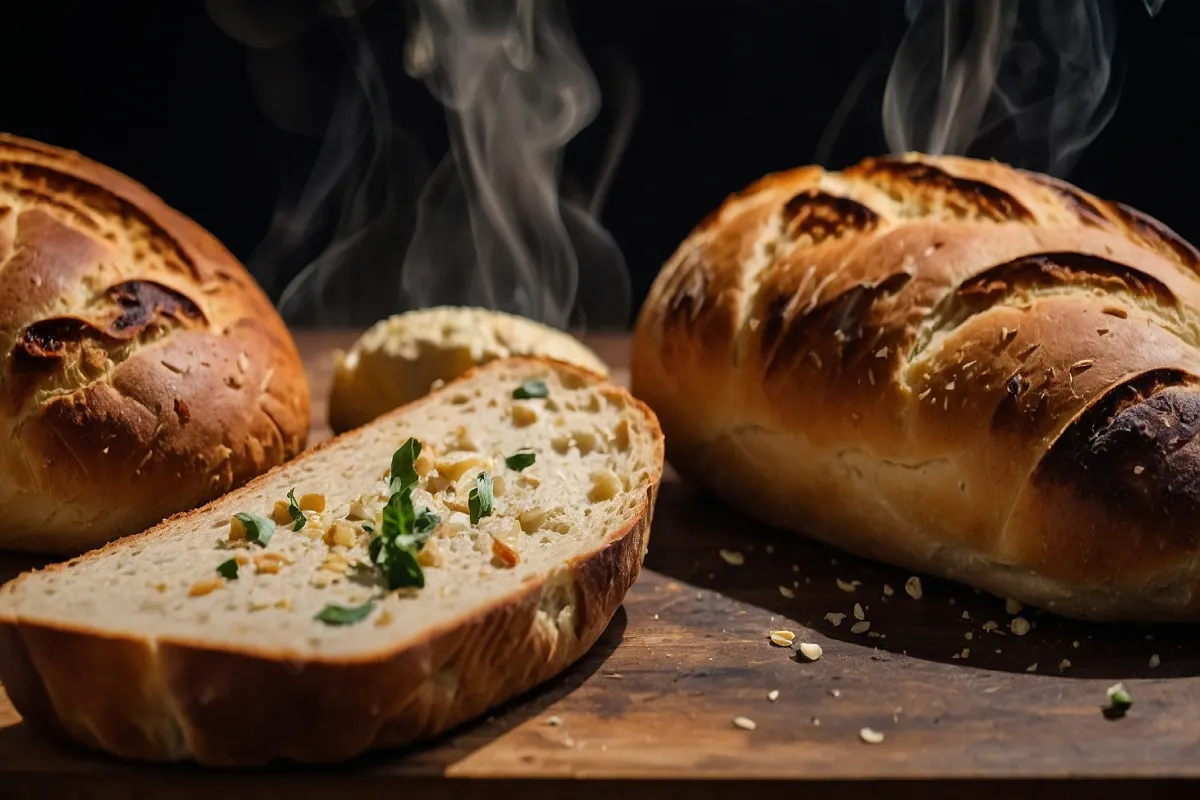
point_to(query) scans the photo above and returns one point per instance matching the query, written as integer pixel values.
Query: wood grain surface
(964, 704)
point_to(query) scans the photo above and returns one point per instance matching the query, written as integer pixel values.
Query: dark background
(728, 91)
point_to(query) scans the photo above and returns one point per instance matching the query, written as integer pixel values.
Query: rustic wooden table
(963, 703)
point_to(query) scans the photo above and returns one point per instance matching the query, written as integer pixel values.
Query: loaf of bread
(145, 372)
(367, 594)
(946, 364)
(400, 358)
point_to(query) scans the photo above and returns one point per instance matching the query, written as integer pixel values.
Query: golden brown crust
(145, 372)
(173, 699)
(949, 364)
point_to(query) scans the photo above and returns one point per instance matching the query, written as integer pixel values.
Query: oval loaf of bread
(399, 358)
(145, 372)
(954, 366)
(205, 638)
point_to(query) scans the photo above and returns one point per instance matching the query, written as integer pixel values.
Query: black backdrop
(728, 90)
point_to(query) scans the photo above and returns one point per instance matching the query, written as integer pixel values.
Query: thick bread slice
(141, 649)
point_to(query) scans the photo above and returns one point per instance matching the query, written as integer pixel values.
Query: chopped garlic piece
(870, 736)
(811, 650)
(782, 638)
(732, 557)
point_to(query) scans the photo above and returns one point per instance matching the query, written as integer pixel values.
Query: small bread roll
(398, 359)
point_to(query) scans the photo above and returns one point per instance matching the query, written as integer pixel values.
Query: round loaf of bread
(398, 359)
(145, 372)
(950, 365)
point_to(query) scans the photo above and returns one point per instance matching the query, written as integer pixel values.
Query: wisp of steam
(489, 226)
(1027, 83)
(516, 89)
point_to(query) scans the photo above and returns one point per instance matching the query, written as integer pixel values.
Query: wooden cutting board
(964, 704)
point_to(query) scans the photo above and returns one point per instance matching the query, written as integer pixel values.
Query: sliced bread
(262, 625)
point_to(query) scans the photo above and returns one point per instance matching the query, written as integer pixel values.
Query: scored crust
(948, 364)
(173, 699)
(145, 371)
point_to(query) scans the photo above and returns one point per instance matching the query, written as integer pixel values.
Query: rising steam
(493, 229)
(1028, 83)
(490, 226)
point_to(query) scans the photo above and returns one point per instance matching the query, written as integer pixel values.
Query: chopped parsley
(1119, 701)
(479, 501)
(426, 521)
(404, 470)
(521, 459)
(342, 615)
(404, 531)
(258, 529)
(228, 570)
(530, 390)
(294, 509)
(368, 527)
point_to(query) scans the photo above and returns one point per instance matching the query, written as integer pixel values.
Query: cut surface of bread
(149, 648)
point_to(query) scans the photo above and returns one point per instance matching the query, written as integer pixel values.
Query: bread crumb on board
(732, 557)
(870, 735)
(782, 638)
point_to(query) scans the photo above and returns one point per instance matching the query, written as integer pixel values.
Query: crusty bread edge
(171, 700)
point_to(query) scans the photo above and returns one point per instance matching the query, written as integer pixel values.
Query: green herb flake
(398, 516)
(394, 551)
(530, 390)
(403, 532)
(520, 460)
(398, 565)
(258, 529)
(479, 501)
(228, 570)
(342, 615)
(294, 509)
(1119, 701)
(368, 527)
(426, 521)
(404, 471)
